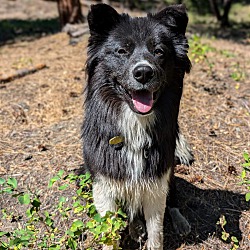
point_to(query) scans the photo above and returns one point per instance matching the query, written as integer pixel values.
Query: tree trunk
(226, 7)
(70, 12)
(222, 18)
(215, 9)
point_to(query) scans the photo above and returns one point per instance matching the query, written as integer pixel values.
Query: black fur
(116, 43)
(120, 48)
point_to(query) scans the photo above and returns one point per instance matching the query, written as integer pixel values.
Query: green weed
(41, 229)
(225, 236)
(238, 74)
(227, 53)
(198, 51)
(245, 174)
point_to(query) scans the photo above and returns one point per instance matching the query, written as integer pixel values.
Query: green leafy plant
(198, 51)
(225, 236)
(227, 53)
(41, 229)
(245, 174)
(237, 72)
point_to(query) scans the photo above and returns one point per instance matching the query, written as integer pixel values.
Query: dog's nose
(143, 73)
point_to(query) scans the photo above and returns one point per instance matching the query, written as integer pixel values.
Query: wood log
(21, 73)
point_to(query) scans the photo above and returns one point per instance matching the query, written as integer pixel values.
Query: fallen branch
(76, 30)
(21, 73)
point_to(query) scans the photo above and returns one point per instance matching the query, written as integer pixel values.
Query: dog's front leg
(103, 197)
(104, 202)
(154, 205)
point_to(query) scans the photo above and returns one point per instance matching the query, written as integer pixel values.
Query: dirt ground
(41, 114)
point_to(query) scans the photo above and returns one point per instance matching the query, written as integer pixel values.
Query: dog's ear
(102, 18)
(174, 16)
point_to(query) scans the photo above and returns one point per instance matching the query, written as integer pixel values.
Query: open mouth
(142, 100)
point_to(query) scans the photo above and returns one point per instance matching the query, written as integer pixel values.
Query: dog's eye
(158, 52)
(122, 51)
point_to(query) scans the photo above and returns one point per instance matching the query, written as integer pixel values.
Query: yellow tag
(116, 140)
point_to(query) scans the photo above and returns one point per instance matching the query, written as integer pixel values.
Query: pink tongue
(143, 101)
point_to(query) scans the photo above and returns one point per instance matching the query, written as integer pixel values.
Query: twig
(21, 73)
(80, 32)
(226, 182)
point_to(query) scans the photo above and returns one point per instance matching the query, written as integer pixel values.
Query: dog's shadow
(203, 209)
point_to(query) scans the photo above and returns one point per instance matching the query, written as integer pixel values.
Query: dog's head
(141, 57)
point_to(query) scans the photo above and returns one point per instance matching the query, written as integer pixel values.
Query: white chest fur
(136, 130)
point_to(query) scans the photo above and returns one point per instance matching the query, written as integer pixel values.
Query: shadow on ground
(202, 208)
(13, 30)
(238, 32)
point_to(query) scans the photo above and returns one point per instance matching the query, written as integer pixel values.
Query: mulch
(41, 114)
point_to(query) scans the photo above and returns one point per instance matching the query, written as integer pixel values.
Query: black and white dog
(131, 137)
